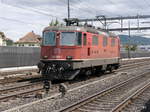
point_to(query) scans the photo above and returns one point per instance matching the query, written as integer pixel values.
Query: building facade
(144, 47)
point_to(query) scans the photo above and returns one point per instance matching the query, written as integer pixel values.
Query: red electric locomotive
(68, 51)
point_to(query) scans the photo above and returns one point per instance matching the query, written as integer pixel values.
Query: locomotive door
(86, 44)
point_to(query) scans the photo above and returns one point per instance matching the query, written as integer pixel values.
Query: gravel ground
(73, 95)
(7, 73)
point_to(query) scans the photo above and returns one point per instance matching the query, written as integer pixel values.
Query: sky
(18, 17)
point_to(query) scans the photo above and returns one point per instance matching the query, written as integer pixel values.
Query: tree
(131, 47)
(9, 42)
(2, 34)
(52, 23)
(56, 23)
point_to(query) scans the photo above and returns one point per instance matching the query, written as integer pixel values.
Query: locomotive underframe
(69, 69)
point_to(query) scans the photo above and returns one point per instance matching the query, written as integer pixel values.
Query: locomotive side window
(49, 38)
(79, 38)
(104, 41)
(71, 38)
(113, 42)
(94, 40)
(84, 39)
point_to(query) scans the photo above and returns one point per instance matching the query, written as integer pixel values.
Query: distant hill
(138, 40)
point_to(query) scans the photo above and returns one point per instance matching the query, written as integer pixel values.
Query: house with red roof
(29, 40)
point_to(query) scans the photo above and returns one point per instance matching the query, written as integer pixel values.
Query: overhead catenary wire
(79, 7)
(19, 21)
(34, 10)
(140, 8)
(91, 11)
(75, 8)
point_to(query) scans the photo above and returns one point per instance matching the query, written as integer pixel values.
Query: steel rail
(130, 66)
(127, 101)
(19, 86)
(21, 93)
(99, 94)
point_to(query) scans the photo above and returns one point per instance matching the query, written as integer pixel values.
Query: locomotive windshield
(71, 38)
(49, 38)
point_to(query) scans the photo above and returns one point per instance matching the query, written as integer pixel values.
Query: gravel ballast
(54, 103)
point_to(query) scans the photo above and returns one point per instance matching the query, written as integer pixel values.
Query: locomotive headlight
(45, 57)
(69, 57)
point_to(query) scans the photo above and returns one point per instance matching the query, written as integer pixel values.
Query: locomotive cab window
(94, 40)
(104, 41)
(49, 38)
(71, 38)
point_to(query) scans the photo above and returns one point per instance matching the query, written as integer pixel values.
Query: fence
(18, 56)
(28, 56)
(135, 54)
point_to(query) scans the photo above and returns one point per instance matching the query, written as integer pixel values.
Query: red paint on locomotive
(80, 47)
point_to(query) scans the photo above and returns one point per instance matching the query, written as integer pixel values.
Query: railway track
(130, 61)
(13, 79)
(133, 65)
(136, 99)
(9, 78)
(20, 89)
(29, 89)
(109, 99)
(26, 88)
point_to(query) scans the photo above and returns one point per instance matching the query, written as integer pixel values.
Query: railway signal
(62, 89)
(46, 86)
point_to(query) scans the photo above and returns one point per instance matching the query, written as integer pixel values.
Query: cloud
(18, 17)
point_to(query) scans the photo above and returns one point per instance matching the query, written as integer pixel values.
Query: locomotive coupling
(40, 66)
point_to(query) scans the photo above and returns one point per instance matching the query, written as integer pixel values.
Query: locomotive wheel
(88, 73)
(110, 69)
(102, 72)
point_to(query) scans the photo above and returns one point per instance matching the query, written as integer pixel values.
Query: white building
(2, 39)
(144, 47)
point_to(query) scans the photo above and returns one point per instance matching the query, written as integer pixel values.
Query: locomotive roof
(78, 28)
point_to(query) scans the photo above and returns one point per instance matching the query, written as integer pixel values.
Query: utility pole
(68, 9)
(68, 22)
(121, 20)
(138, 23)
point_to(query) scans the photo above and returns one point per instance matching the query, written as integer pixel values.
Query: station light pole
(129, 34)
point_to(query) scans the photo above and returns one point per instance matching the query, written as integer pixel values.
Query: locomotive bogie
(68, 70)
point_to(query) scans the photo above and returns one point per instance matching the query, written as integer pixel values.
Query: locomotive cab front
(61, 45)
(59, 51)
